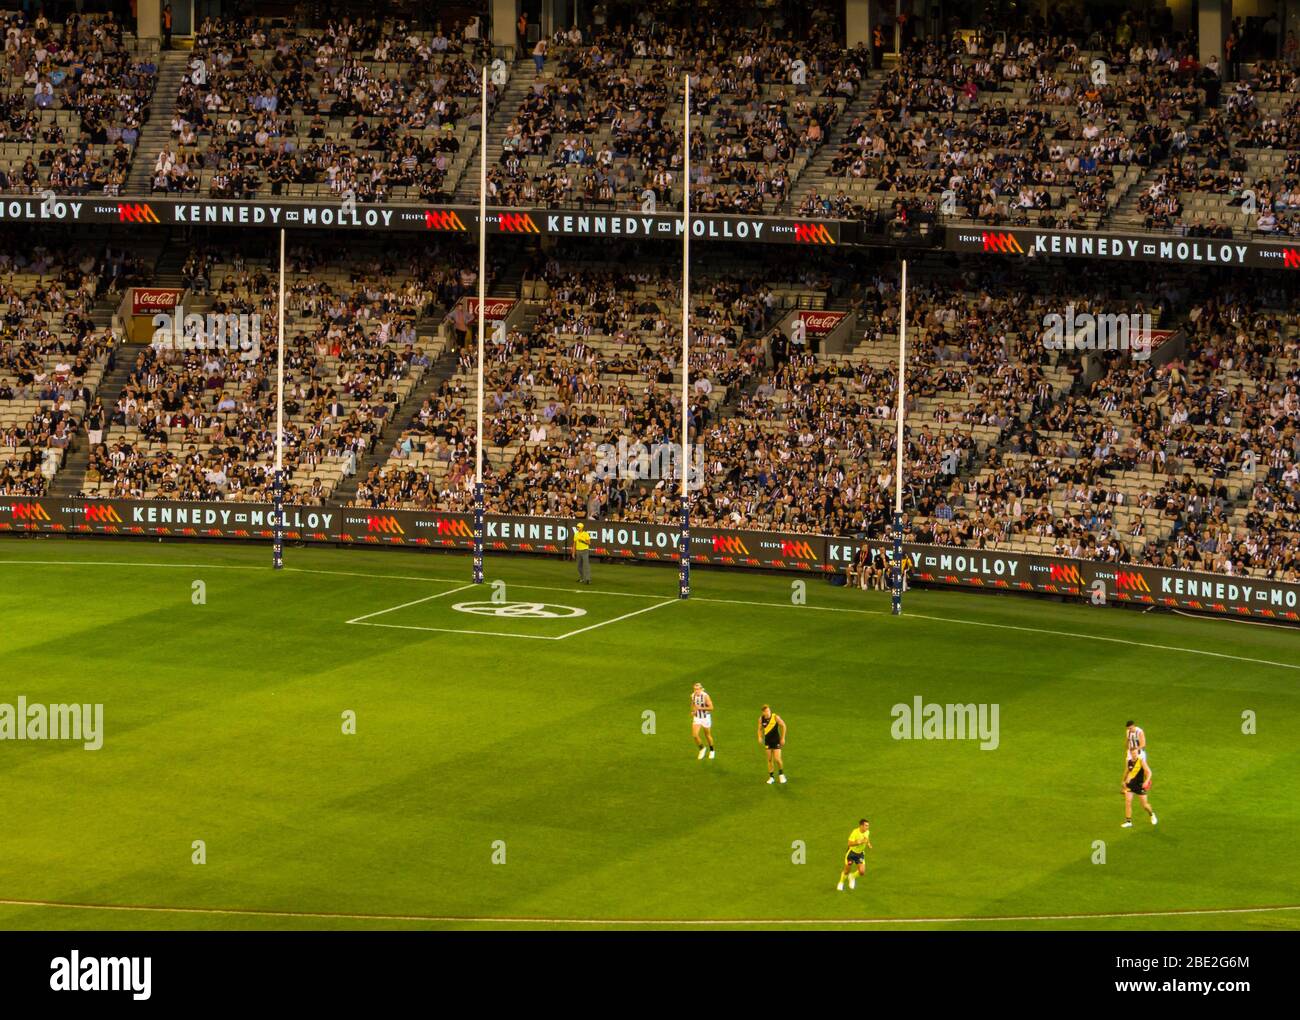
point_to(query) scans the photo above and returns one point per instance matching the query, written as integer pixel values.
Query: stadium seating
(200, 424)
(54, 352)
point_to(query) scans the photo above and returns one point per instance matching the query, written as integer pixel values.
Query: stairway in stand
(158, 132)
(522, 76)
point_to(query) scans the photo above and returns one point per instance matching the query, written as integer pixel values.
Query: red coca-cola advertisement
(151, 300)
(496, 308)
(820, 323)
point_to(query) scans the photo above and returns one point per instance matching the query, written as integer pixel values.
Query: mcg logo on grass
(933, 721)
(53, 722)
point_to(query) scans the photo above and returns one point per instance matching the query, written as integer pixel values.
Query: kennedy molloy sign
(339, 215)
(1026, 242)
(980, 569)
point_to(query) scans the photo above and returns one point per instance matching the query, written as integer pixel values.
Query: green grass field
(224, 723)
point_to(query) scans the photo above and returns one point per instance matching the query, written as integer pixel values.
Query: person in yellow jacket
(582, 552)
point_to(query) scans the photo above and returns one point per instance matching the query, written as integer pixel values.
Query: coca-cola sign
(495, 308)
(149, 300)
(820, 323)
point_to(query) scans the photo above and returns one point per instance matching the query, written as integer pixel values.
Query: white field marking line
(448, 630)
(778, 605)
(625, 616)
(497, 633)
(124, 563)
(242, 912)
(1110, 640)
(1235, 619)
(415, 602)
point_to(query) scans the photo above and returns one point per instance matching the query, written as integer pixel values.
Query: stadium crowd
(197, 421)
(1186, 456)
(73, 100)
(350, 110)
(604, 126)
(53, 351)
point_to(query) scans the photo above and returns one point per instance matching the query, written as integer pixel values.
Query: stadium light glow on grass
(486, 781)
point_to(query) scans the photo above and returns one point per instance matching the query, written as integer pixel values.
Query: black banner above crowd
(356, 216)
(1028, 242)
(942, 566)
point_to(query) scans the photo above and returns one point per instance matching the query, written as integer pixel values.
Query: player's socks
(853, 883)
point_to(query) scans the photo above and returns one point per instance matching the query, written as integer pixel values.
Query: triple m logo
(136, 212)
(384, 525)
(797, 551)
(1065, 572)
(812, 233)
(1131, 581)
(442, 219)
(1001, 241)
(102, 514)
(28, 512)
(517, 223)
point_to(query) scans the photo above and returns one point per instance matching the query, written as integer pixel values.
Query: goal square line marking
(413, 602)
(361, 621)
(449, 630)
(616, 619)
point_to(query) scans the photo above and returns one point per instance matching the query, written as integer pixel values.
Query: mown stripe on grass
(775, 605)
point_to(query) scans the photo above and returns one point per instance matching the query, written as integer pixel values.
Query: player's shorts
(853, 857)
(1135, 784)
(705, 720)
(772, 742)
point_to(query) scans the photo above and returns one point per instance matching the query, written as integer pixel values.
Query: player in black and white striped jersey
(1135, 741)
(702, 721)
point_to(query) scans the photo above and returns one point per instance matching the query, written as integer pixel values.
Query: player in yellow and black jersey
(771, 734)
(1137, 781)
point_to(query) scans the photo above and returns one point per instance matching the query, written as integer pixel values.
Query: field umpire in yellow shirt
(582, 552)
